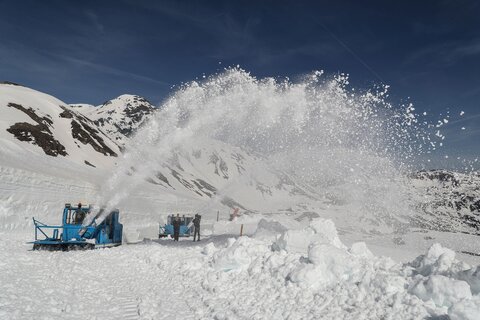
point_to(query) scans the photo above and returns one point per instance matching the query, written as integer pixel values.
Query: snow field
(129, 282)
(320, 131)
(328, 280)
(306, 274)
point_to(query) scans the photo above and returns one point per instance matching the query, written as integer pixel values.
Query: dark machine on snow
(185, 226)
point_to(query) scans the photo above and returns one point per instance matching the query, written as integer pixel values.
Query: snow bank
(466, 310)
(238, 278)
(234, 227)
(451, 286)
(238, 254)
(309, 273)
(441, 290)
(319, 231)
(472, 277)
(438, 260)
(269, 230)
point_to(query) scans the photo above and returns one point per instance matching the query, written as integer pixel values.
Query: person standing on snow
(79, 214)
(176, 227)
(196, 223)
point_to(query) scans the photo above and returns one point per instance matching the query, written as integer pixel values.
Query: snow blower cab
(73, 234)
(186, 223)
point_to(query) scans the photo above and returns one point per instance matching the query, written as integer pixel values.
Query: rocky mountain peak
(122, 116)
(449, 199)
(127, 100)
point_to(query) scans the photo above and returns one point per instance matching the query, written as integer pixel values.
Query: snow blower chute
(73, 235)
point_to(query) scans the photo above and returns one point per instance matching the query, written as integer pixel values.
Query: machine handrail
(40, 225)
(56, 227)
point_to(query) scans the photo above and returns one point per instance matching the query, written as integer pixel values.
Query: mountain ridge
(97, 137)
(38, 126)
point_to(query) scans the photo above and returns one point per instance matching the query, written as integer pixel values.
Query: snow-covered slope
(42, 134)
(34, 124)
(449, 201)
(280, 272)
(119, 117)
(74, 148)
(292, 264)
(220, 174)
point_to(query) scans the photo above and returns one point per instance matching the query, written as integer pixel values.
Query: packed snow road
(295, 274)
(144, 281)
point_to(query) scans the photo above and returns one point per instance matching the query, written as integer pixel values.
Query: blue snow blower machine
(186, 223)
(73, 235)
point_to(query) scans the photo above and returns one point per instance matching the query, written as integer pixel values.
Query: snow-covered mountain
(217, 172)
(52, 153)
(41, 134)
(43, 137)
(448, 200)
(119, 118)
(35, 124)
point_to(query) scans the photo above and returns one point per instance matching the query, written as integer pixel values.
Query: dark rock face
(31, 113)
(39, 134)
(162, 178)
(10, 83)
(221, 167)
(67, 114)
(205, 187)
(453, 200)
(125, 120)
(138, 111)
(439, 175)
(88, 135)
(187, 184)
(89, 164)
(34, 133)
(475, 207)
(85, 133)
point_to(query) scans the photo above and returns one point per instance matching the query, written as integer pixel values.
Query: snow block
(328, 266)
(319, 231)
(295, 241)
(269, 230)
(472, 277)
(443, 291)
(360, 249)
(466, 309)
(209, 249)
(238, 254)
(437, 260)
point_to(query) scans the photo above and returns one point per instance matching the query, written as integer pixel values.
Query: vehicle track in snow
(144, 281)
(129, 309)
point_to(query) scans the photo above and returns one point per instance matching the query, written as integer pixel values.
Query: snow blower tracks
(129, 309)
(143, 281)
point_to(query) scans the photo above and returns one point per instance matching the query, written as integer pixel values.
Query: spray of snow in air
(351, 146)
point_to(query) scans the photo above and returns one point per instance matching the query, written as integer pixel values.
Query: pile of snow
(448, 285)
(319, 231)
(309, 272)
(306, 274)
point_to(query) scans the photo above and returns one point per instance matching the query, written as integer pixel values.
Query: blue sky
(91, 51)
